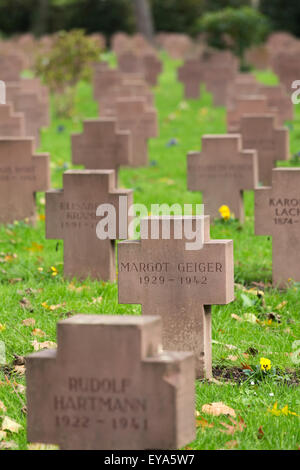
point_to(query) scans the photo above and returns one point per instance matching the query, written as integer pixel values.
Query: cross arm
(128, 256)
(76, 146)
(263, 214)
(54, 214)
(282, 144)
(151, 123)
(124, 148)
(40, 377)
(192, 175)
(42, 171)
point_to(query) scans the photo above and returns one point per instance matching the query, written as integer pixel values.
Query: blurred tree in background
(110, 16)
(177, 15)
(64, 65)
(235, 28)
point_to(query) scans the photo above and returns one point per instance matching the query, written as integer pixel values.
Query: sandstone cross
(71, 216)
(22, 174)
(34, 109)
(109, 386)
(101, 146)
(260, 132)
(277, 214)
(191, 75)
(133, 115)
(11, 124)
(153, 69)
(11, 66)
(254, 104)
(178, 284)
(278, 98)
(222, 171)
(127, 89)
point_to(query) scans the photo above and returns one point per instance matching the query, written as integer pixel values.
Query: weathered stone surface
(110, 386)
(178, 284)
(277, 214)
(22, 174)
(222, 171)
(71, 216)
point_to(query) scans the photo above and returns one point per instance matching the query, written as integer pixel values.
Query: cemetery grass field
(32, 284)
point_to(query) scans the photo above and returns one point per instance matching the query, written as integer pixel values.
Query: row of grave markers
(103, 402)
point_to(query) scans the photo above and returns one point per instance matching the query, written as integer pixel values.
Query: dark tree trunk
(144, 20)
(40, 21)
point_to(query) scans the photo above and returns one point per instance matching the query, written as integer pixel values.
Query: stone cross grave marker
(11, 124)
(103, 79)
(33, 107)
(220, 69)
(260, 132)
(242, 86)
(222, 171)
(277, 214)
(191, 75)
(110, 386)
(286, 64)
(153, 69)
(71, 216)
(101, 146)
(127, 89)
(22, 174)
(11, 66)
(178, 284)
(133, 115)
(129, 62)
(278, 98)
(246, 105)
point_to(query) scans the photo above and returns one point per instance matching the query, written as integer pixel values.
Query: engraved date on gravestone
(285, 211)
(78, 215)
(21, 173)
(161, 273)
(109, 402)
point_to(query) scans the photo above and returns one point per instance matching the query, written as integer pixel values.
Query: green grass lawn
(29, 289)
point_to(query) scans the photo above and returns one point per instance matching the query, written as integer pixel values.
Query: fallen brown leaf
(260, 433)
(9, 424)
(44, 345)
(217, 409)
(231, 444)
(2, 406)
(20, 370)
(235, 426)
(8, 445)
(200, 421)
(28, 322)
(26, 304)
(38, 332)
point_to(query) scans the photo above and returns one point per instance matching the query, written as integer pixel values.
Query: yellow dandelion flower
(225, 212)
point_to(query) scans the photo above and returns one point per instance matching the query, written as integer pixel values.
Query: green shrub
(68, 61)
(235, 29)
